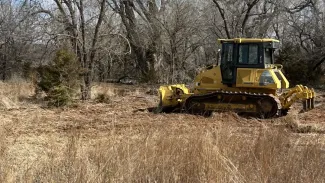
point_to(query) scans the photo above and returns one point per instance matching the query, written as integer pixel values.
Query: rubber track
(257, 96)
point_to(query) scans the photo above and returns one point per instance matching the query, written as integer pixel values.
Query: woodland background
(70, 48)
(155, 41)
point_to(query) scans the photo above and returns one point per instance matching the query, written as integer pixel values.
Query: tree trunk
(3, 67)
(86, 86)
(4, 61)
(144, 53)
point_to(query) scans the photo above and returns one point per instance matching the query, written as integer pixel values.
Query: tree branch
(222, 13)
(98, 25)
(247, 15)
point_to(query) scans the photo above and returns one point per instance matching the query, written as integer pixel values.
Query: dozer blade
(172, 98)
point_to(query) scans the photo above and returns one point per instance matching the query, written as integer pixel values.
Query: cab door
(228, 64)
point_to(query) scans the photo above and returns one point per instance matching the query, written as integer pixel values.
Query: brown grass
(173, 154)
(113, 143)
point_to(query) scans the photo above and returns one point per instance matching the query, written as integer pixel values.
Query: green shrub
(59, 79)
(59, 96)
(49, 78)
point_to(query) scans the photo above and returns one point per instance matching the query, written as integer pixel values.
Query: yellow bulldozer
(246, 80)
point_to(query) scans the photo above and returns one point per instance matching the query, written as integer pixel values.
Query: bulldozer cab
(245, 53)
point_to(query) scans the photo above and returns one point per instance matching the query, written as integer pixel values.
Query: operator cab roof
(247, 40)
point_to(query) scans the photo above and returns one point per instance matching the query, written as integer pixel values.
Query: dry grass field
(120, 141)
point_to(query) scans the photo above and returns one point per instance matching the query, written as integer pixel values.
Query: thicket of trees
(154, 41)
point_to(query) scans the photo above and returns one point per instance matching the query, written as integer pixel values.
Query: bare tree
(154, 40)
(235, 15)
(73, 16)
(145, 48)
(183, 40)
(19, 34)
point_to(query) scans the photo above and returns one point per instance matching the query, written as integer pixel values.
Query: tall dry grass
(167, 152)
(12, 92)
(170, 153)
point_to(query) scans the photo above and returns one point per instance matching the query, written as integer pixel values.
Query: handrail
(278, 66)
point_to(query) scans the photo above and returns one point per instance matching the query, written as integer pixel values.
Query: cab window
(268, 56)
(248, 54)
(227, 53)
